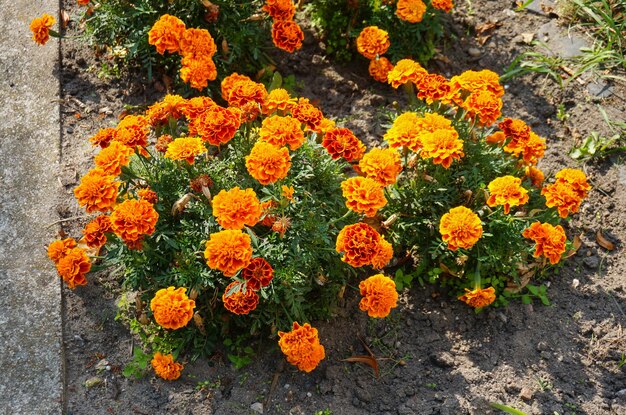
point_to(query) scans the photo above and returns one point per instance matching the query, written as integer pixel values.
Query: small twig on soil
(66, 220)
(572, 74)
(272, 389)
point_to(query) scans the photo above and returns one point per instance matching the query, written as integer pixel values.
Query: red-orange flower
(460, 228)
(185, 148)
(302, 347)
(148, 195)
(363, 195)
(95, 231)
(567, 192)
(103, 137)
(268, 163)
(535, 175)
(341, 142)
(197, 44)
(382, 165)
(379, 295)
(433, 87)
(132, 131)
(163, 142)
(132, 219)
(507, 191)
(41, 28)
(97, 191)
(59, 248)
(281, 131)
(549, 240)
(112, 158)
(169, 107)
(166, 34)
(165, 367)
(258, 274)
(379, 69)
(235, 208)
(442, 146)
(228, 83)
(405, 70)
(238, 301)
(279, 9)
(445, 5)
(194, 107)
(198, 71)
(245, 91)
(307, 114)
(384, 254)
(218, 125)
(372, 42)
(360, 244)
(411, 11)
(228, 251)
(478, 297)
(484, 105)
(287, 35)
(172, 308)
(73, 266)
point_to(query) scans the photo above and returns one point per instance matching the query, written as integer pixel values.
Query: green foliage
(507, 409)
(138, 366)
(598, 146)
(340, 23)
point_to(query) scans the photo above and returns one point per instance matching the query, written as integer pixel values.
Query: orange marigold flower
(172, 308)
(82, 2)
(73, 266)
(384, 254)
(112, 158)
(534, 149)
(198, 44)
(302, 346)
(103, 137)
(484, 105)
(258, 274)
(218, 125)
(97, 191)
(166, 34)
(132, 219)
(382, 165)
(287, 35)
(479, 297)
(307, 114)
(132, 131)
(341, 142)
(59, 248)
(280, 9)
(229, 83)
(41, 28)
(95, 231)
(568, 191)
(497, 138)
(576, 179)
(325, 125)
(406, 70)
(379, 296)
(442, 146)
(445, 5)
(474, 81)
(460, 228)
(549, 240)
(194, 107)
(515, 129)
(197, 72)
(165, 367)
(287, 192)
(185, 148)
(162, 143)
(433, 87)
(281, 131)
(238, 301)
(235, 208)
(411, 11)
(148, 195)
(379, 69)
(507, 191)
(363, 195)
(535, 175)
(278, 99)
(360, 244)
(404, 132)
(268, 163)
(246, 91)
(372, 42)
(169, 107)
(228, 251)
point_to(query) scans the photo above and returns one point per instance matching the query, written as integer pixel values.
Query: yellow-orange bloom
(382, 165)
(103, 137)
(259, 273)
(341, 142)
(218, 125)
(238, 301)
(497, 138)
(507, 191)
(245, 91)
(287, 35)
(474, 81)
(379, 69)
(576, 179)
(384, 254)
(360, 244)
(185, 148)
(229, 83)
(59, 248)
(197, 44)
(442, 146)
(460, 228)
(235, 208)
(484, 105)
(268, 163)
(73, 266)
(372, 42)
(95, 231)
(411, 11)
(478, 297)
(379, 296)
(445, 5)
(198, 71)
(307, 114)
(535, 175)
(41, 28)
(172, 308)
(278, 99)
(228, 251)
(166, 34)
(194, 107)
(567, 192)
(363, 195)
(165, 367)
(406, 70)
(97, 191)
(281, 131)
(287, 192)
(132, 219)
(132, 131)
(549, 240)
(171, 106)
(302, 346)
(404, 132)
(280, 9)
(112, 158)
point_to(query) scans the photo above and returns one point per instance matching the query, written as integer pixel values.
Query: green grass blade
(507, 409)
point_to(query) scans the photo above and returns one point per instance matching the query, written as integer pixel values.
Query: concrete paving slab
(30, 304)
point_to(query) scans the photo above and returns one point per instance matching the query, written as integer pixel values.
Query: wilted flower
(479, 297)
